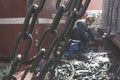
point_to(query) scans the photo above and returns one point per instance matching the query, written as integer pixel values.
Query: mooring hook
(67, 6)
(45, 33)
(20, 37)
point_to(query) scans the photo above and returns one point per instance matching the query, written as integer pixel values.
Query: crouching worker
(80, 36)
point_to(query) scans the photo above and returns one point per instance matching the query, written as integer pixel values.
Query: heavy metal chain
(74, 13)
(52, 29)
(61, 9)
(25, 34)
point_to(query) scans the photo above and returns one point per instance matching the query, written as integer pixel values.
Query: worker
(81, 36)
(82, 32)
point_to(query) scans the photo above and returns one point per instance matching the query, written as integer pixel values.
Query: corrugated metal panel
(111, 19)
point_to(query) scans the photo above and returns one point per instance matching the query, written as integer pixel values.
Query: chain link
(28, 26)
(73, 15)
(26, 34)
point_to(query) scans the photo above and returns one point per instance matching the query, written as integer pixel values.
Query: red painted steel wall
(95, 5)
(12, 8)
(8, 32)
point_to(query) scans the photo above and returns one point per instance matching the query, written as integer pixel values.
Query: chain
(74, 13)
(52, 30)
(61, 9)
(25, 34)
(15, 64)
(74, 10)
